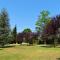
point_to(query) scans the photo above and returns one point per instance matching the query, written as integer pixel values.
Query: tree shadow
(46, 46)
(1, 49)
(58, 58)
(8, 46)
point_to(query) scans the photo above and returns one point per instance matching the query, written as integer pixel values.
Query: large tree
(4, 27)
(43, 19)
(52, 30)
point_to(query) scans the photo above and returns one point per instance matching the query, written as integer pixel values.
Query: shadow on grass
(1, 49)
(58, 58)
(7, 46)
(46, 46)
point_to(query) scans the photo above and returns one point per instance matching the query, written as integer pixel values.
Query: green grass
(29, 53)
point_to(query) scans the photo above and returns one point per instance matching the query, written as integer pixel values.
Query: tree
(27, 35)
(4, 27)
(14, 34)
(52, 30)
(27, 30)
(43, 19)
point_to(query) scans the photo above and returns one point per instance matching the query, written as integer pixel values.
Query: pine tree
(14, 34)
(4, 27)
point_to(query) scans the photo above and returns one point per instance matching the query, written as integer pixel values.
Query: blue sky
(24, 13)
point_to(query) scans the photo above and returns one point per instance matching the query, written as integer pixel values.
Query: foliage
(4, 27)
(27, 30)
(48, 30)
(14, 34)
(51, 29)
(27, 35)
(20, 37)
(43, 19)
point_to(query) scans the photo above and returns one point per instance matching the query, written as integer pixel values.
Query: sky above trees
(24, 13)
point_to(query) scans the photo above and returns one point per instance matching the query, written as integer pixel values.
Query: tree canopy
(27, 30)
(43, 19)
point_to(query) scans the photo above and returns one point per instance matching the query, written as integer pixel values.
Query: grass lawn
(18, 52)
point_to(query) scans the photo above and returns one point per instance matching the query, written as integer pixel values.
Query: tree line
(47, 30)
